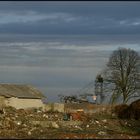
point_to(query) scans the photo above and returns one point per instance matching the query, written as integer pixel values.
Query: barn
(20, 96)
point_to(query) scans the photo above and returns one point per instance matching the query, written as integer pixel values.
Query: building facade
(20, 96)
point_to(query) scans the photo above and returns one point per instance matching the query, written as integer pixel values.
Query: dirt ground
(35, 124)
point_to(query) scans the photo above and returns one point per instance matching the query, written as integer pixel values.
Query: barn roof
(20, 91)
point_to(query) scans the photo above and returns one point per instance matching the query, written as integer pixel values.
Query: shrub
(135, 110)
(122, 111)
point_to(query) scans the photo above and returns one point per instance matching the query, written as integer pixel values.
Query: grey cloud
(33, 16)
(59, 53)
(118, 9)
(78, 40)
(76, 18)
(46, 28)
(45, 53)
(65, 28)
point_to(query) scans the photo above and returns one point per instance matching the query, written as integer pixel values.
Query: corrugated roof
(20, 91)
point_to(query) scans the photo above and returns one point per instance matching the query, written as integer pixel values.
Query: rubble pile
(36, 123)
(20, 122)
(25, 123)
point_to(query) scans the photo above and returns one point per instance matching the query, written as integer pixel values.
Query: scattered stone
(113, 114)
(103, 109)
(16, 116)
(97, 122)
(29, 133)
(31, 115)
(87, 126)
(45, 116)
(78, 127)
(54, 125)
(105, 126)
(129, 124)
(39, 111)
(102, 133)
(18, 122)
(24, 125)
(104, 121)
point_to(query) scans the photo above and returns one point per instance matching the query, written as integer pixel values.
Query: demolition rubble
(21, 123)
(37, 123)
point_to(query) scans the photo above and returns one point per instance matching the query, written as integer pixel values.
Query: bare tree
(122, 75)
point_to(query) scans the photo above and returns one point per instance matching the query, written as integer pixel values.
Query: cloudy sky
(59, 47)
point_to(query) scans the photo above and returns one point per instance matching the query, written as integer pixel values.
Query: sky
(59, 47)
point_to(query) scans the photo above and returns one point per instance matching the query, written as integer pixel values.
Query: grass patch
(128, 130)
(101, 116)
(132, 127)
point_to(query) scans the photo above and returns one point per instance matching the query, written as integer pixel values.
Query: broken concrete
(35, 123)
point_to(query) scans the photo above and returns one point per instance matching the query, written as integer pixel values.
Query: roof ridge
(20, 90)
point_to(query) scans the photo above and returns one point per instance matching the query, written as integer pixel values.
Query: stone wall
(19, 103)
(71, 107)
(48, 107)
(54, 107)
(58, 107)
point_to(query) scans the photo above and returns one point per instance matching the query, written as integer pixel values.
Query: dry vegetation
(132, 111)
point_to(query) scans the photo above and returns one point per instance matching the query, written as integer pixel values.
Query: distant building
(20, 96)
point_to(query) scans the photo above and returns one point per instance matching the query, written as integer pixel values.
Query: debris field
(35, 123)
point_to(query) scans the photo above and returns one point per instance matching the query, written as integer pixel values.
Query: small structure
(94, 98)
(20, 96)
